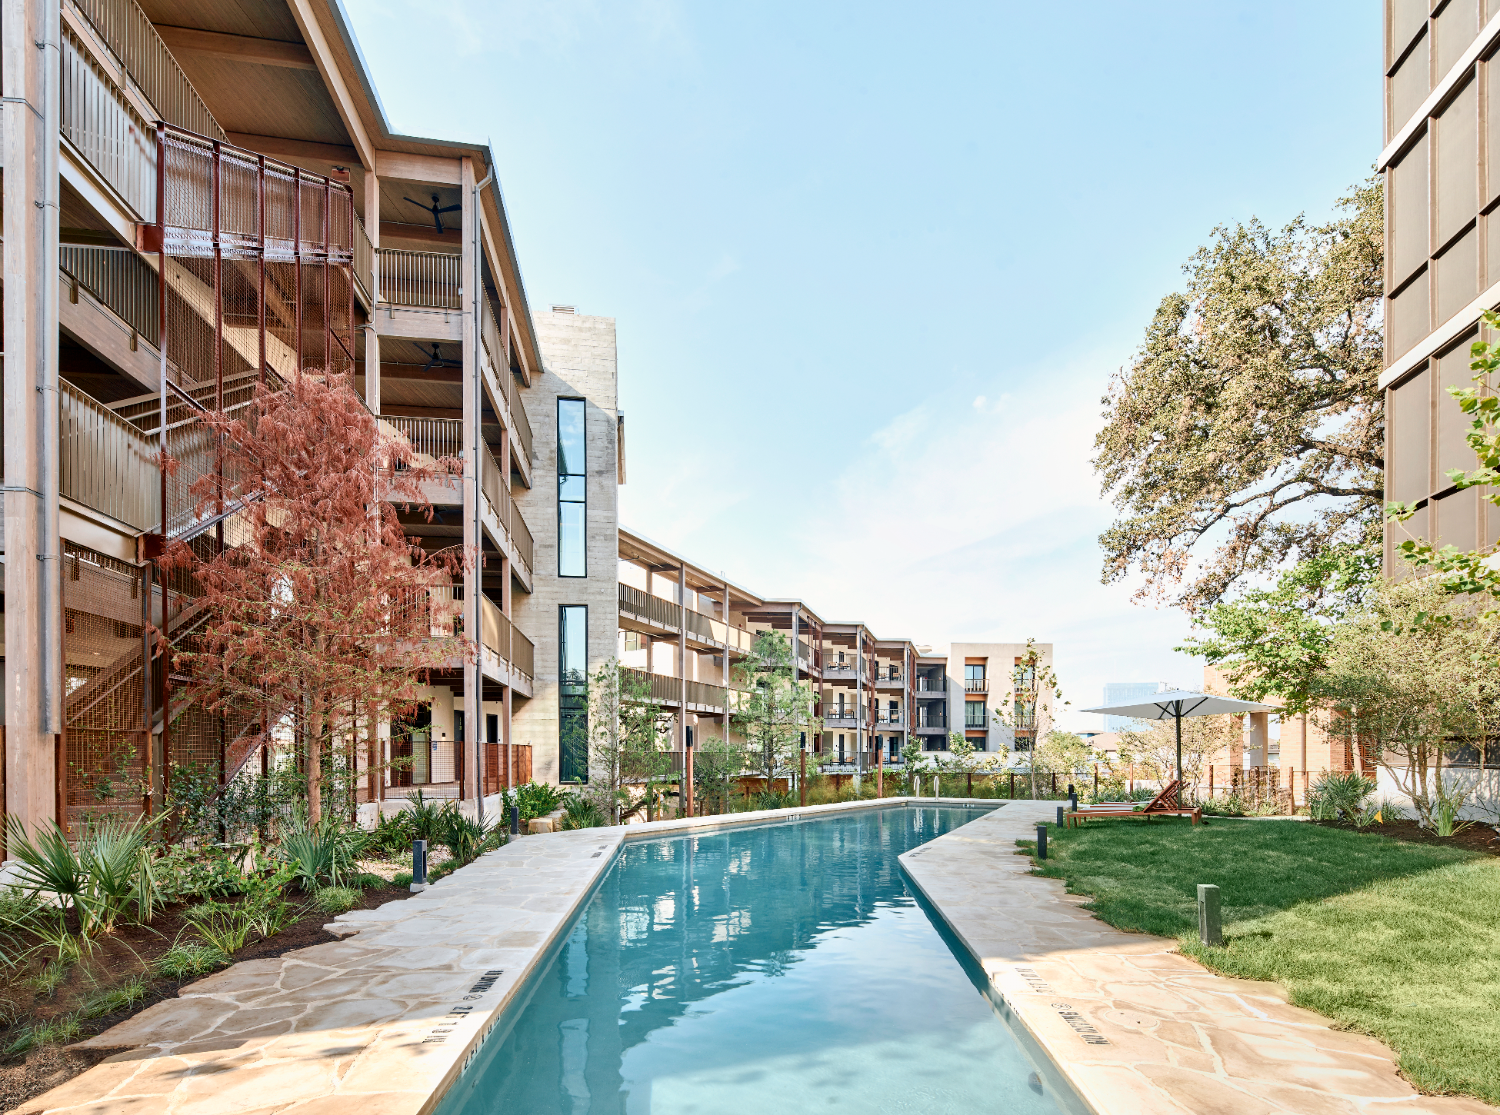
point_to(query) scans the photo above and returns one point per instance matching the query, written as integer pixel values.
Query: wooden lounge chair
(1165, 804)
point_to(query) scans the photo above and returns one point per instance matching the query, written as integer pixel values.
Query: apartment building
(962, 686)
(202, 197)
(1441, 165)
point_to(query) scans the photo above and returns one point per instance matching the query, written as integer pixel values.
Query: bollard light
(1060, 819)
(419, 865)
(1041, 842)
(515, 820)
(1210, 923)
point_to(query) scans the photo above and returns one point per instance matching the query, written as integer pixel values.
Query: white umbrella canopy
(1178, 704)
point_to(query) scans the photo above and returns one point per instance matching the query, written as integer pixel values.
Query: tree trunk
(315, 760)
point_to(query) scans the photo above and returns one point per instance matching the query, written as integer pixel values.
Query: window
(573, 692)
(975, 714)
(572, 490)
(973, 672)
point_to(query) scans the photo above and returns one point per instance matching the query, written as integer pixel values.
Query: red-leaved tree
(318, 609)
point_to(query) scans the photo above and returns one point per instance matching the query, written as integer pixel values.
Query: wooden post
(1210, 780)
(1013, 785)
(1096, 779)
(802, 777)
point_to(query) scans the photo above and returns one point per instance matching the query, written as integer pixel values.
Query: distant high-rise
(1118, 692)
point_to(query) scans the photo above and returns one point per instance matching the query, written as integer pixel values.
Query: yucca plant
(103, 877)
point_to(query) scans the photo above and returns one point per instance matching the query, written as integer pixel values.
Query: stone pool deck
(379, 1023)
(1135, 1026)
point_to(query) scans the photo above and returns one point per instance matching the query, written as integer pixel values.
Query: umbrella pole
(1179, 747)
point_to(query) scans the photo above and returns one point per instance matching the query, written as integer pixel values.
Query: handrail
(496, 627)
(99, 122)
(105, 462)
(980, 685)
(429, 279)
(649, 607)
(520, 534)
(127, 31)
(121, 281)
(364, 262)
(523, 652)
(668, 690)
(489, 336)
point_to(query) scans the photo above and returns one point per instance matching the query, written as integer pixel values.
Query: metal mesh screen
(104, 713)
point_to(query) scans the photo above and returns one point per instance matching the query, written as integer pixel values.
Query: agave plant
(322, 852)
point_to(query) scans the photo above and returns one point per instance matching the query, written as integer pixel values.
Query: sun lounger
(1165, 804)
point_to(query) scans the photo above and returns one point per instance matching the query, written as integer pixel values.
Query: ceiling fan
(437, 360)
(436, 209)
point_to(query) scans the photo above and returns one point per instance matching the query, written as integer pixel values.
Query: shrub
(401, 879)
(106, 875)
(393, 835)
(365, 880)
(775, 799)
(336, 900)
(186, 961)
(536, 799)
(223, 927)
(185, 873)
(324, 852)
(425, 819)
(582, 813)
(466, 839)
(1340, 796)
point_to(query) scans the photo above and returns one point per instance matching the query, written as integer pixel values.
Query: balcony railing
(428, 279)
(649, 608)
(887, 677)
(364, 262)
(490, 338)
(144, 57)
(120, 281)
(932, 685)
(99, 122)
(976, 685)
(430, 437)
(105, 462)
(668, 690)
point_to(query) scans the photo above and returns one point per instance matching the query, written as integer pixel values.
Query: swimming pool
(777, 968)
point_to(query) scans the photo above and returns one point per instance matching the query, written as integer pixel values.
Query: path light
(1072, 798)
(1060, 821)
(419, 865)
(515, 820)
(1210, 923)
(1041, 842)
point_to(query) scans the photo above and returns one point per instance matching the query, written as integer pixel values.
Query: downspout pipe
(49, 482)
(474, 718)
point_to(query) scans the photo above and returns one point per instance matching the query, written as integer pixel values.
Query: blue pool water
(779, 968)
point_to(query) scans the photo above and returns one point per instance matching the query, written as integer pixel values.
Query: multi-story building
(963, 686)
(1442, 175)
(200, 198)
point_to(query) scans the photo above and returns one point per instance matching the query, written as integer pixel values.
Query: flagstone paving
(1133, 1024)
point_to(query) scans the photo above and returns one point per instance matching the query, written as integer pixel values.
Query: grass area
(1390, 938)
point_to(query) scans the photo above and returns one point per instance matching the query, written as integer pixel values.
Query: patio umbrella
(1178, 704)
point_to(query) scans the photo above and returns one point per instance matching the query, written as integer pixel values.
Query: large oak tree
(1248, 429)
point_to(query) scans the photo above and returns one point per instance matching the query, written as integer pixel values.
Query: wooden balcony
(701, 697)
(105, 462)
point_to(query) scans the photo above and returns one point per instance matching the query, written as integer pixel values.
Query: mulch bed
(1475, 838)
(131, 951)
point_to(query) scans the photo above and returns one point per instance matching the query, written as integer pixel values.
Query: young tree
(775, 710)
(625, 726)
(1412, 679)
(716, 765)
(1274, 642)
(1032, 716)
(1251, 417)
(1152, 751)
(318, 599)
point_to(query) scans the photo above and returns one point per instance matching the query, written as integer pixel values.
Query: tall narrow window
(572, 491)
(573, 693)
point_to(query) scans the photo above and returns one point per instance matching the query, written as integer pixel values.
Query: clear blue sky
(873, 263)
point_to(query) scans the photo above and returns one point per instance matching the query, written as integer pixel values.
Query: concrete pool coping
(1131, 1023)
(384, 1021)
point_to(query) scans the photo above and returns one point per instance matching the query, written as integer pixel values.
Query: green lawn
(1397, 940)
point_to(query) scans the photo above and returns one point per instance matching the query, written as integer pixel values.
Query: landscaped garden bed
(47, 1006)
(1391, 937)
